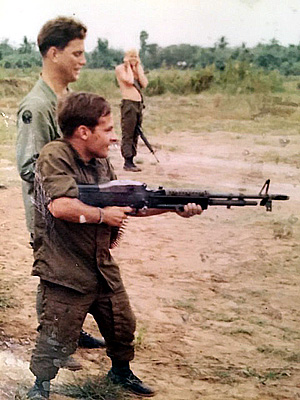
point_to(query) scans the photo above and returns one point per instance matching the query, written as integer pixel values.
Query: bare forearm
(141, 76)
(73, 210)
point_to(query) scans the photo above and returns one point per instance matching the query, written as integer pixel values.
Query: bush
(242, 77)
(178, 82)
(201, 80)
(155, 86)
(97, 81)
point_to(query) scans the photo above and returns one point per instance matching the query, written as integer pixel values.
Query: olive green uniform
(131, 117)
(77, 271)
(37, 126)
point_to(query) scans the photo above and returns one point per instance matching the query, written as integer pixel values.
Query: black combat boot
(40, 390)
(124, 377)
(129, 165)
(89, 342)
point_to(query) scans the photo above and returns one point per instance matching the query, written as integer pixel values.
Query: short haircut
(81, 109)
(59, 32)
(132, 53)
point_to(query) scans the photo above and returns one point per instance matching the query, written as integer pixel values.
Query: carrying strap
(138, 87)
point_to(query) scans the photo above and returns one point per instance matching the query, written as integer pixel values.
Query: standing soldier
(72, 247)
(132, 80)
(61, 44)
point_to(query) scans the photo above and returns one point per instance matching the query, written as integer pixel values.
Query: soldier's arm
(124, 73)
(34, 131)
(55, 178)
(141, 75)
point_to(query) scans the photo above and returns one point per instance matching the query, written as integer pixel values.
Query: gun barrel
(146, 141)
(231, 202)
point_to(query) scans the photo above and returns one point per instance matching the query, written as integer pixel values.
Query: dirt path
(216, 296)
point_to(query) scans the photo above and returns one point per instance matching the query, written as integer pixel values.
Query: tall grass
(236, 78)
(97, 81)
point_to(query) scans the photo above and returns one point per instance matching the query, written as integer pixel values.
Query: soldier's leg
(129, 134)
(117, 323)
(139, 120)
(85, 339)
(64, 311)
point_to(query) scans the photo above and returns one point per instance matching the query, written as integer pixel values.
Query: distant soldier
(132, 80)
(61, 44)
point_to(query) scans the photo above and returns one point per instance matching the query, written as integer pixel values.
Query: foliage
(242, 77)
(103, 56)
(98, 81)
(237, 77)
(178, 82)
(270, 56)
(26, 56)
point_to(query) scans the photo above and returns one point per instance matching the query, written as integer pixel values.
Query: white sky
(199, 22)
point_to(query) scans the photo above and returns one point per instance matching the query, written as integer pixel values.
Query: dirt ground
(216, 296)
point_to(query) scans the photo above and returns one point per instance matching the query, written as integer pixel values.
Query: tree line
(270, 56)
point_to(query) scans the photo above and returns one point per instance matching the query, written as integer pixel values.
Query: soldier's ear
(83, 132)
(52, 53)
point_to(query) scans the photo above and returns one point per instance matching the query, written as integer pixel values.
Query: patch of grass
(98, 81)
(277, 158)
(225, 376)
(282, 230)
(294, 357)
(96, 388)
(5, 302)
(270, 374)
(223, 317)
(257, 321)
(241, 331)
(140, 337)
(284, 354)
(186, 304)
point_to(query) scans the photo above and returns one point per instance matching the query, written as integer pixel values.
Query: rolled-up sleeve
(55, 173)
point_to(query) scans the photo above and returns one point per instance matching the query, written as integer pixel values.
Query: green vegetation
(269, 57)
(270, 374)
(5, 301)
(97, 388)
(285, 354)
(187, 305)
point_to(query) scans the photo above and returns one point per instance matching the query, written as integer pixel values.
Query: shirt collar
(77, 156)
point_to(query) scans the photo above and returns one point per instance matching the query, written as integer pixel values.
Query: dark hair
(59, 32)
(81, 109)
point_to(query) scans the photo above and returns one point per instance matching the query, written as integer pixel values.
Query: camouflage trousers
(131, 116)
(63, 314)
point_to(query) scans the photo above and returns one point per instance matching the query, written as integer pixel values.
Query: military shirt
(37, 126)
(66, 253)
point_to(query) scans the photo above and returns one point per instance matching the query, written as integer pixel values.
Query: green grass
(186, 304)
(264, 376)
(284, 354)
(140, 337)
(96, 388)
(5, 302)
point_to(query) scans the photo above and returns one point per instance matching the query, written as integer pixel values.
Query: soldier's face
(133, 60)
(70, 60)
(98, 142)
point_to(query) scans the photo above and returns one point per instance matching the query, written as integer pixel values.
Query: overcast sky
(199, 22)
